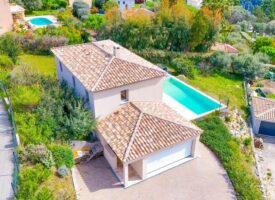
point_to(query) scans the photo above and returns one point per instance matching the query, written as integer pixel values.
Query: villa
(6, 21)
(141, 135)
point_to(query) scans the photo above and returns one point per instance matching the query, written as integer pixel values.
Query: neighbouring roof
(137, 129)
(227, 48)
(264, 108)
(97, 68)
(14, 8)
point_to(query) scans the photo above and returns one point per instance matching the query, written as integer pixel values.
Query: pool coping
(49, 17)
(223, 107)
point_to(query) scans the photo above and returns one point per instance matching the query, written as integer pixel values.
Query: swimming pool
(188, 97)
(40, 21)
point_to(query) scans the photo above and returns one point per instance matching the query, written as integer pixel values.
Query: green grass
(271, 96)
(220, 87)
(42, 12)
(237, 161)
(43, 64)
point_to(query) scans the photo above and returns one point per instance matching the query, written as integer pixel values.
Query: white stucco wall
(109, 100)
(255, 122)
(195, 3)
(104, 102)
(67, 76)
(139, 168)
(6, 20)
(125, 3)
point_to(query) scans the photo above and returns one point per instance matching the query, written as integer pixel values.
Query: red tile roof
(140, 128)
(264, 108)
(97, 68)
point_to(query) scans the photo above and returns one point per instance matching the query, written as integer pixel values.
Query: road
(6, 155)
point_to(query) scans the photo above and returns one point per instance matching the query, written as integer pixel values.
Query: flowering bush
(37, 154)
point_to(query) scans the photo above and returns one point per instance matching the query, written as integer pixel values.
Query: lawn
(44, 64)
(220, 87)
(42, 12)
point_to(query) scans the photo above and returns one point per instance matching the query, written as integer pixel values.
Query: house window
(73, 81)
(118, 2)
(87, 95)
(124, 95)
(123, 2)
(60, 66)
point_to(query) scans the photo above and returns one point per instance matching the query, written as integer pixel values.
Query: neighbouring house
(125, 4)
(6, 20)
(263, 115)
(17, 11)
(195, 3)
(141, 135)
(226, 48)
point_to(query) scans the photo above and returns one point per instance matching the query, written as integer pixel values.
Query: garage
(263, 116)
(267, 128)
(161, 160)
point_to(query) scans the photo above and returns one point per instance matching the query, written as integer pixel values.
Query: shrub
(260, 27)
(270, 28)
(247, 141)
(217, 137)
(30, 179)
(64, 112)
(183, 66)
(23, 75)
(80, 9)
(44, 194)
(37, 154)
(270, 51)
(95, 21)
(62, 156)
(5, 62)
(94, 10)
(43, 45)
(109, 5)
(260, 42)
(63, 171)
(10, 46)
(220, 60)
(248, 66)
(64, 14)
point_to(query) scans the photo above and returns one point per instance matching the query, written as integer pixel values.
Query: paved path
(6, 156)
(267, 164)
(201, 179)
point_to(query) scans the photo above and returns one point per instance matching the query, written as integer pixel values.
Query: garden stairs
(6, 155)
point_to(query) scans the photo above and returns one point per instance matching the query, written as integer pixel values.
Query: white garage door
(169, 156)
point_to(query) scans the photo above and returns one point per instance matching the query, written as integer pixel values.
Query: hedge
(228, 149)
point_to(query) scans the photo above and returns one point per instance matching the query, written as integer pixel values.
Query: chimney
(115, 49)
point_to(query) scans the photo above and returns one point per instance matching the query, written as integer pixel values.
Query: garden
(48, 116)
(179, 37)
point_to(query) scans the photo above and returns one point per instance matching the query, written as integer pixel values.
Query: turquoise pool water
(188, 97)
(40, 21)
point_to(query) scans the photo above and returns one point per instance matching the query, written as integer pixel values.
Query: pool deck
(182, 110)
(49, 17)
(185, 112)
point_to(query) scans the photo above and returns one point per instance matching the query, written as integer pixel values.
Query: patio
(203, 178)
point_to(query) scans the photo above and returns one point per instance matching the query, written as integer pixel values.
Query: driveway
(201, 179)
(267, 164)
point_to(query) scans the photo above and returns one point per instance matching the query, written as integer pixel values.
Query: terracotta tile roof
(264, 108)
(140, 128)
(97, 68)
(227, 48)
